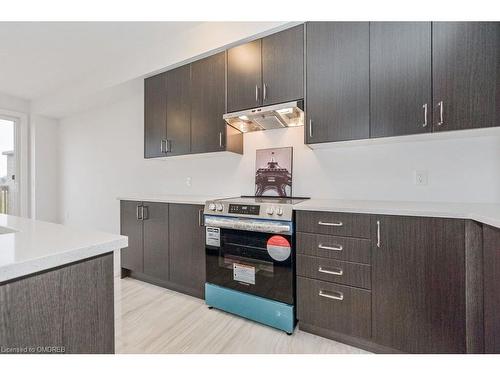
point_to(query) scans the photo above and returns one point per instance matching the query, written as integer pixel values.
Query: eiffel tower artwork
(273, 176)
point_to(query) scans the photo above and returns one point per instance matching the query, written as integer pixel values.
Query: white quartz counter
(29, 246)
(486, 213)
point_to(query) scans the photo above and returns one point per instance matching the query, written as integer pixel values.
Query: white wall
(12, 103)
(101, 157)
(44, 168)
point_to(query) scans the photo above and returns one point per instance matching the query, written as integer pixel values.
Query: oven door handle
(253, 226)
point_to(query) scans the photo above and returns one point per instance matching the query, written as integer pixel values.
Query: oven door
(258, 263)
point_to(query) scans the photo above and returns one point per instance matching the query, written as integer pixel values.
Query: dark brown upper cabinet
(155, 116)
(244, 76)
(283, 66)
(337, 79)
(400, 78)
(466, 75)
(178, 111)
(418, 284)
(266, 71)
(208, 104)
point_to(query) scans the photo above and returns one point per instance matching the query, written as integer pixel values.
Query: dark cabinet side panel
(418, 285)
(156, 240)
(179, 110)
(208, 102)
(283, 66)
(131, 256)
(155, 115)
(244, 76)
(400, 78)
(466, 74)
(491, 243)
(337, 79)
(187, 247)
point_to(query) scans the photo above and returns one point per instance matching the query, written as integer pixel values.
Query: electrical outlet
(421, 178)
(188, 181)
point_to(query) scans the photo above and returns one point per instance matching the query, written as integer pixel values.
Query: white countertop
(169, 198)
(35, 246)
(487, 213)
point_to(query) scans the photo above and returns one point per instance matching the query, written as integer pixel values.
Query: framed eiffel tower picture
(273, 172)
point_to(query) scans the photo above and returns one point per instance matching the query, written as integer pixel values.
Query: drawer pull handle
(335, 248)
(335, 224)
(339, 296)
(337, 271)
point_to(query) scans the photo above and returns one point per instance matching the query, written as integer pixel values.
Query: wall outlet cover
(421, 178)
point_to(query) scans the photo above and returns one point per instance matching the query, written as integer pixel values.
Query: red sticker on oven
(278, 248)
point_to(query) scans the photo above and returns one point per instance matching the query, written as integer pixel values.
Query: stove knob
(211, 206)
(270, 211)
(279, 211)
(219, 206)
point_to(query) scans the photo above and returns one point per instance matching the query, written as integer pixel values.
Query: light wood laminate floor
(150, 319)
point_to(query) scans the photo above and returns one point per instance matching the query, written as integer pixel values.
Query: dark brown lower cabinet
(418, 284)
(166, 245)
(187, 248)
(155, 239)
(131, 257)
(491, 253)
(334, 307)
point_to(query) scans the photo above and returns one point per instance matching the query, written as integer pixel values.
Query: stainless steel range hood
(265, 118)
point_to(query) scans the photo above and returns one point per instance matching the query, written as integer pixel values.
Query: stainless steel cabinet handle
(310, 128)
(425, 115)
(337, 271)
(441, 113)
(139, 212)
(256, 93)
(339, 296)
(378, 233)
(200, 218)
(220, 139)
(168, 145)
(336, 224)
(335, 248)
(162, 148)
(264, 94)
(145, 212)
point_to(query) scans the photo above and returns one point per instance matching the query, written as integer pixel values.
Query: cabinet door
(179, 110)
(155, 116)
(337, 78)
(418, 284)
(491, 243)
(208, 104)
(187, 248)
(400, 78)
(244, 76)
(156, 240)
(283, 66)
(466, 75)
(131, 226)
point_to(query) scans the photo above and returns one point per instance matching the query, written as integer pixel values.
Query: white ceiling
(37, 58)
(65, 67)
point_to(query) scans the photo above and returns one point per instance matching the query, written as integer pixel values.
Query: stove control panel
(244, 209)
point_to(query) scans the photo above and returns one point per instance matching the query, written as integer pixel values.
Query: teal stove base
(272, 313)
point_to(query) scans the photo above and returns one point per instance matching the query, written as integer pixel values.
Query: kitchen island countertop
(30, 246)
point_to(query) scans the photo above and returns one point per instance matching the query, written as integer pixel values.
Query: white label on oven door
(212, 236)
(244, 273)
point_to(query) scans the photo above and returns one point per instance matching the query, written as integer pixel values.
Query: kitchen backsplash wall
(101, 156)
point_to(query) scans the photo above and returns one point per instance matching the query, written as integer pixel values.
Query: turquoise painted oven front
(272, 313)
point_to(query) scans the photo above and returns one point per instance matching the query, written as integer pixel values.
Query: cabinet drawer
(334, 223)
(353, 274)
(335, 247)
(335, 307)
